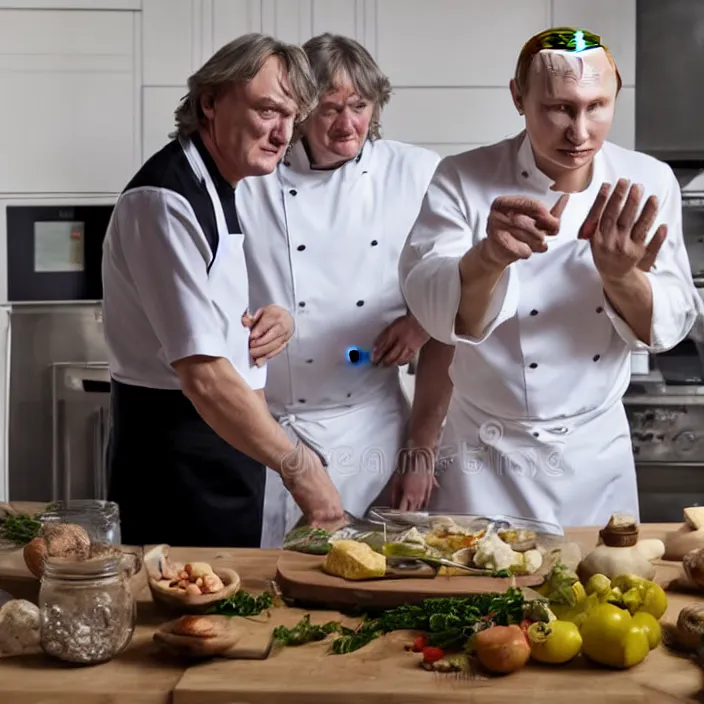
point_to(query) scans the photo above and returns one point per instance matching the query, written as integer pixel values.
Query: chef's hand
(270, 330)
(517, 227)
(617, 233)
(399, 342)
(414, 479)
(309, 484)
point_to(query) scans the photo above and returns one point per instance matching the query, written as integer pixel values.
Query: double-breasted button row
(595, 358)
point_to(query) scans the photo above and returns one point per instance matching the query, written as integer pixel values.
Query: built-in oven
(693, 231)
(54, 251)
(51, 291)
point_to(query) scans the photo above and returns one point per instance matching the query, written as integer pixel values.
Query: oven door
(693, 231)
(54, 251)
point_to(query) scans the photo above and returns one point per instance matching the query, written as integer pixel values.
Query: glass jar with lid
(88, 612)
(100, 519)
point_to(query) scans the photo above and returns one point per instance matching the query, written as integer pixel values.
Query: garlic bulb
(693, 565)
(690, 626)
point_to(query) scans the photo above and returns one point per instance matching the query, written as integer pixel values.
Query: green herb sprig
(305, 632)
(242, 604)
(19, 529)
(449, 622)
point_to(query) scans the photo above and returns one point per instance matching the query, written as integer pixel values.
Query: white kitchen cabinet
(232, 18)
(168, 28)
(450, 115)
(159, 106)
(70, 4)
(71, 84)
(451, 43)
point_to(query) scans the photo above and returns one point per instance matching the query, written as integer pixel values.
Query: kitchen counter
(381, 672)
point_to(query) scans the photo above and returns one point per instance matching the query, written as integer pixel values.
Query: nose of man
(578, 132)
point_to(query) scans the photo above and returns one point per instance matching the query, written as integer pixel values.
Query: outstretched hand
(617, 233)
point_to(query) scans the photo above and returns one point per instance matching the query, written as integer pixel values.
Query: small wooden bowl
(174, 599)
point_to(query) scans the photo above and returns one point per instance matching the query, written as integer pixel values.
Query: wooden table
(380, 673)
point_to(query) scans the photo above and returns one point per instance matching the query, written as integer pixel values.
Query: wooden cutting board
(301, 578)
(241, 639)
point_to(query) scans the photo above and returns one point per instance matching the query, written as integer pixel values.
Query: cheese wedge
(694, 517)
(354, 561)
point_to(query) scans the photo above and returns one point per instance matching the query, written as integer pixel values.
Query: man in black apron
(191, 432)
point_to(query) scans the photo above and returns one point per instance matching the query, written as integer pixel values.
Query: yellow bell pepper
(641, 595)
(612, 637)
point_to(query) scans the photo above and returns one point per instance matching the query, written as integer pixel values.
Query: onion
(502, 649)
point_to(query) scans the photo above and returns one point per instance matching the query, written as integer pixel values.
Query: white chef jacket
(324, 244)
(540, 390)
(174, 271)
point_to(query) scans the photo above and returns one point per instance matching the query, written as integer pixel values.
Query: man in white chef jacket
(191, 434)
(323, 238)
(545, 259)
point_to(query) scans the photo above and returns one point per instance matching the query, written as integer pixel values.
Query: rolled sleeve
(429, 263)
(676, 301)
(167, 256)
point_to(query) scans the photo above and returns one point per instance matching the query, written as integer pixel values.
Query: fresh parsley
(242, 604)
(449, 622)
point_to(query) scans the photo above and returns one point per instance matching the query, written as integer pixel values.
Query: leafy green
(242, 604)
(449, 621)
(20, 529)
(558, 585)
(304, 632)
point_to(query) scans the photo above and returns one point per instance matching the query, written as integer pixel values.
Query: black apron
(174, 478)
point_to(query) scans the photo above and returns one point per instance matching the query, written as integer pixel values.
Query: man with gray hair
(191, 431)
(323, 237)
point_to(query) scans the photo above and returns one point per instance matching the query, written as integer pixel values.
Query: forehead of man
(558, 74)
(271, 85)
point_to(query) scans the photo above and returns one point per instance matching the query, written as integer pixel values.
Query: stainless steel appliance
(667, 430)
(670, 79)
(693, 231)
(666, 415)
(80, 412)
(58, 396)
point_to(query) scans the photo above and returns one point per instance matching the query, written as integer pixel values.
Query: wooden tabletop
(380, 673)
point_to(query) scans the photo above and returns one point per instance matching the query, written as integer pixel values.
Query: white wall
(449, 60)
(90, 86)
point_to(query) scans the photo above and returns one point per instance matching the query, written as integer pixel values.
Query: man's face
(251, 124)
(569, 107)
(338, 128)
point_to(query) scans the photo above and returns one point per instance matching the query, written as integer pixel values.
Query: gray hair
(240, 61)
(332, 56)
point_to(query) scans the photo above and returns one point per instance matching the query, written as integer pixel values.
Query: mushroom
(66, 540)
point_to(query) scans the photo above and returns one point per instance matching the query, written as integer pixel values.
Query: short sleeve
(167, 255)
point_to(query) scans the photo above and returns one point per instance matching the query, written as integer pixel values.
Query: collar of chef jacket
(529, 176)
(296, 170)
